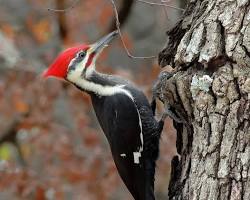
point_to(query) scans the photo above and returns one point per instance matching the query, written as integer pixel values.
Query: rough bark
(210, 53)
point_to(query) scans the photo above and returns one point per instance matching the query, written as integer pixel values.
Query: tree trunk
(210, 91)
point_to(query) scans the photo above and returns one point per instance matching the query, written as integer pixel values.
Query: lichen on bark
(212, 40)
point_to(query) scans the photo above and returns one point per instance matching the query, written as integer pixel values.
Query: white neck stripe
(100, 89)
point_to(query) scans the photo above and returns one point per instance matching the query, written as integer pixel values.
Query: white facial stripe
(90, 70)
(79, 67)
(71, 62)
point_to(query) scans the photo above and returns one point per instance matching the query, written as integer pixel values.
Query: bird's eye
(82, 54)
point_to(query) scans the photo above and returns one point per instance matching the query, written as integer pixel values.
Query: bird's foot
(172, 115)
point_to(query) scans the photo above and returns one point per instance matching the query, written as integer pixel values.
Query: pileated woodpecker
(123, 112)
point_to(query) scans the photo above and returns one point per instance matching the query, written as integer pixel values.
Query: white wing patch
(123, 155)
(137, 154)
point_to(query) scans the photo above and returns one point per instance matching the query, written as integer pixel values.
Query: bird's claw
(172, 115)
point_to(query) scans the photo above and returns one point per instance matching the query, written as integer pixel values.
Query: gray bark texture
(209, 51)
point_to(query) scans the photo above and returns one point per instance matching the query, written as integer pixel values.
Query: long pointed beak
(102, 43)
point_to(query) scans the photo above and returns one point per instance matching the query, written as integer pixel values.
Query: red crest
(60, 65)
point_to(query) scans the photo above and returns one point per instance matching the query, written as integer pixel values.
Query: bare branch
(124, 12)
(163, 3)
(117, 22)
(120, 33)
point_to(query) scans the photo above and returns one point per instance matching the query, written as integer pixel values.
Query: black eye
(82, 54)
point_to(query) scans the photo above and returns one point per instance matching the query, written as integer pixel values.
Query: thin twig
(118, 22)
(124, 11)
(163, 3)
(73, 4)
(160, 4)
(120, 33)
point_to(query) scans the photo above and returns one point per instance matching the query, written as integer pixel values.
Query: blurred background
(51, 146)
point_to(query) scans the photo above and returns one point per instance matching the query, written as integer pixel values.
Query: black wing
(119, 119)
(150, 127)
(151, 132)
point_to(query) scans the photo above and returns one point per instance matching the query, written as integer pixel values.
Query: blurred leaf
(91, 139)
(26, 150)
(40, 193)
(40, 29)
(5, 152)
(21, 106)
(8, 30)
(74, 175)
